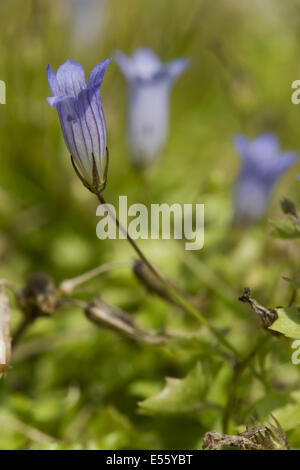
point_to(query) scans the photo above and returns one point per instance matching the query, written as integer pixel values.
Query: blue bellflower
(263, 164)
(82, 120)
(149, 83)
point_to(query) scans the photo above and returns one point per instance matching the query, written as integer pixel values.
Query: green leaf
(288, 322)
(289, 415)
(285, 229)
(264, 406)
(179, 395)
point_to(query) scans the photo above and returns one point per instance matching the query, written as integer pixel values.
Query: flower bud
(82, 120)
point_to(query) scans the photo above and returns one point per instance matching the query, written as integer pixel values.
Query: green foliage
(72, 385)
(285, 229)
(288, 322)
(289, 414)
(178, 395)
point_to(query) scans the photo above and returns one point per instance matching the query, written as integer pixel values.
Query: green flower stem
(238, 371)
(186, 306)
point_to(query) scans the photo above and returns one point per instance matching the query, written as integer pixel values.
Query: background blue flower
(149, 83)
(262, 165)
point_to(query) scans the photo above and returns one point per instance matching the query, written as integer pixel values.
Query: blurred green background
(72, 385)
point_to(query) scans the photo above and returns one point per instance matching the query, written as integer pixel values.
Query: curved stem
(186, 306)
(238, 370)
(67, 286)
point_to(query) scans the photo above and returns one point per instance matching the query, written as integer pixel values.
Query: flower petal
(76, 135)
(71, 78)
(251, 201)
(55, 100)
(176, 67)
(53, 83)
(125, 64)
(146, 58)
(148, 120)
(143, 65)
(264, 147)
(90, 111)
(282, 164)
(97, 74)
(241, 144)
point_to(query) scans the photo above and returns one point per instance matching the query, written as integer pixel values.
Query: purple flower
(81, 118)
(149, 83)
(263, 164)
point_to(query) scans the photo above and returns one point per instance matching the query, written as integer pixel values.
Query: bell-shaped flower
(149, 82)
(262, 164)
(82, 120)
